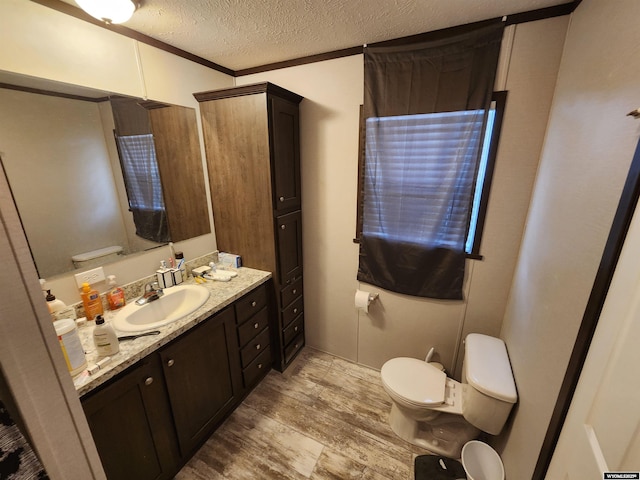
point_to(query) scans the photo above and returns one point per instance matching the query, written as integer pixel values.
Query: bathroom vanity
(162, 396)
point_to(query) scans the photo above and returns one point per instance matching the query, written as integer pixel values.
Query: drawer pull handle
(259, 366)
(253, 304)
(281, 199)
(283, 227)
(295, 310)
(258, 347)
(148, 381)
(295, 291)
(170, 362)
(256, 325)
(295, 329)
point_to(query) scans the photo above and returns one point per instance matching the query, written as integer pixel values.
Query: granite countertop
(221, 295)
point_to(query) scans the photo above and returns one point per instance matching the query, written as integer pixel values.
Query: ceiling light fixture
(108, 11)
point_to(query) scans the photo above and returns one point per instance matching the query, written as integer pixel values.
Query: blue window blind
(420, 176)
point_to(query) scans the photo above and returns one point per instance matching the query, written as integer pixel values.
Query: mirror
(59, 152)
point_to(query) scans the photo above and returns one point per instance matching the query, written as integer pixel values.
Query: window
(431, 158)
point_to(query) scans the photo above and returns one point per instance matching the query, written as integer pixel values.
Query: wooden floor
(324, 418)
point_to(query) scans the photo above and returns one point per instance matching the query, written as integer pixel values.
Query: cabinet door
(203, 376)
(175, 135)
(285, 143)
(289, 247)
(130, 421)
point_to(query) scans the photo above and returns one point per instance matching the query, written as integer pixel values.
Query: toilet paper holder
(363, 299)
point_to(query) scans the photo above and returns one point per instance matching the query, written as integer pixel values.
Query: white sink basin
(176, 303)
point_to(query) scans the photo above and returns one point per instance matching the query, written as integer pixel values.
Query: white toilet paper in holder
(363, 300)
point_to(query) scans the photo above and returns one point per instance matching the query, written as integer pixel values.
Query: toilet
(440, 414)
(97, 257)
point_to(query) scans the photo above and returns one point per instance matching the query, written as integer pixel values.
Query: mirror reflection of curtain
(140, 169)
(425, 108)
(142, 181)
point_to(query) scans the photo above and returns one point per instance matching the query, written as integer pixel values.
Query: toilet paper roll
(363, 300)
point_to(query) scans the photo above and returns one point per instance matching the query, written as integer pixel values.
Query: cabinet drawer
(292, 311)
(291, 292)
(257, 368)
(293, 348)
(254, 347)
(253, 326)
(292, 330)
(250, 304)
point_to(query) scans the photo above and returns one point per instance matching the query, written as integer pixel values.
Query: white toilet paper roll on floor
(363, 300)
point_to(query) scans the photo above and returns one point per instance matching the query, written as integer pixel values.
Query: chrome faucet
(151, 292)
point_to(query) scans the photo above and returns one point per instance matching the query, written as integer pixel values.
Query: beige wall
(536, 51)
(397, 324)
(587, 152)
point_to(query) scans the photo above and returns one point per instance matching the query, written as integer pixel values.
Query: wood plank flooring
(323, 418)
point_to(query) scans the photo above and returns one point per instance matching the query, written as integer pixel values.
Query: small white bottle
(105, 338)
(53, 303)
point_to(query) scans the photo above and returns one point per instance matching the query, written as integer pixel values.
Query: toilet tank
(97, 257)
(489, 390)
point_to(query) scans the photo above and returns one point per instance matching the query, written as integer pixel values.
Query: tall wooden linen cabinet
(252, 145)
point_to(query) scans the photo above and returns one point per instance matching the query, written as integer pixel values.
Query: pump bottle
(91, 301)
(53, 303)
(115, 294)
(105, 338)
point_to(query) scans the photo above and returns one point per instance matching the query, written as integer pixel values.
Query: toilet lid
(414, 380)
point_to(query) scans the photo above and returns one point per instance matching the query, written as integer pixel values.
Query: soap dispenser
(53, 303)
(115, 294)
(91, 301)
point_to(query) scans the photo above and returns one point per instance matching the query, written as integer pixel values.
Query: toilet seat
(414, 381)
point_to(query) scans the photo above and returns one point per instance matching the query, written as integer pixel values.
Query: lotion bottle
(115, 294)
(91, 301)
(54, 304)
(105, 338)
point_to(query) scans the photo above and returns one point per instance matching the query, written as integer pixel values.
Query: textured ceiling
(240, 34)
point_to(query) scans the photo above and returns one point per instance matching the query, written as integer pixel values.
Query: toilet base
(444, 435)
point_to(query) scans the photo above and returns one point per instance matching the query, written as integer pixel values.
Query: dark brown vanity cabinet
(130, 420)
(202, 377)
(150, 419)
(252, 146)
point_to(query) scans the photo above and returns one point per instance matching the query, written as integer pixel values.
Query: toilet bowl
(440, 414)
